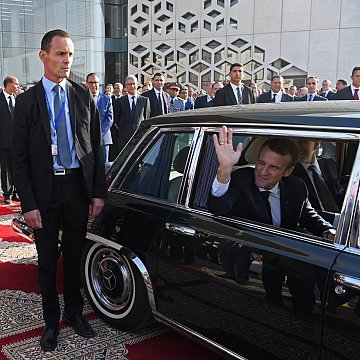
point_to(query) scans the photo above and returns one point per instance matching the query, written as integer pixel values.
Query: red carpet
(21, 317)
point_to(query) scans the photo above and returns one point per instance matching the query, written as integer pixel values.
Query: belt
(63, 172)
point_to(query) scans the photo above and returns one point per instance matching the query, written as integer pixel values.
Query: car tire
(115, 287)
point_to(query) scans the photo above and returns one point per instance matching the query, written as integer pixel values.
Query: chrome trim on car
(347, 280)
(193, 334)
(134, 258)
(179, 229)
(344, 235)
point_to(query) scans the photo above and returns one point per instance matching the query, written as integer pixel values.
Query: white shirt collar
(274, 191)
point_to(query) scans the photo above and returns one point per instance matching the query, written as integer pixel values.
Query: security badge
(54, 149)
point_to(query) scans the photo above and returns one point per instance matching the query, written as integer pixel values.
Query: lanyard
(55, 123)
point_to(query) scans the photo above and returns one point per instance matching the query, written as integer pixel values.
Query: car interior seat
(179, 167)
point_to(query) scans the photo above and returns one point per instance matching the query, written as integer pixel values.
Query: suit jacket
(154, 103)
(31, 145)
(329, 95)
(266, 97)
(316, 98)
(5, 123)
(330, 174)
(344, 94)
(128, 121)
(226, 96)
(106, 117)
(243, 199)
(202, 102)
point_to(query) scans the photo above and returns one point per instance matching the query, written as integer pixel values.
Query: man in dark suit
(7, 106)
(350, 92)
(158, 98)
(114, 151)
(105, 111)
(207, 100)
(59, 172)
(267, 194)
(276, 94)
(130, 110)
(326, 90)
(235, 93)
(312, 84)
(321, 178)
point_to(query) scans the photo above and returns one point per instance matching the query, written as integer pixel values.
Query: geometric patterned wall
(195, 41)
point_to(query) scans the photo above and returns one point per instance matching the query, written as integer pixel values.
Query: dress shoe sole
(70, 323)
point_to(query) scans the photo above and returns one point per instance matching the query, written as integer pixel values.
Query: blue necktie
(61, 131)
(311, 97)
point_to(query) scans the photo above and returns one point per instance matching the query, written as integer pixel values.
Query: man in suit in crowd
(293, 91)
(326, 89)
(350, 92)
(208, 99)
(114, 151)
(321, 178)
(117, 91)
(105, 111)
(184, 94)
(7, 106)
(130, 110)
(175, 104)
(235, 93)
(59, 174)
(276, 94)
(267, 194)
(340, 84)
(157, 97)
(312, 84)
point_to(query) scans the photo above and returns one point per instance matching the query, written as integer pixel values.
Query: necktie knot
(57, 89)
(311, 97)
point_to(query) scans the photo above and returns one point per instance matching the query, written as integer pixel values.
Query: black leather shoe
(79, 324)
(7, 200)
(48, 340)
(15, 197)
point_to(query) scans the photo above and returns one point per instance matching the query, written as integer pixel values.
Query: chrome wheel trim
(110, 281)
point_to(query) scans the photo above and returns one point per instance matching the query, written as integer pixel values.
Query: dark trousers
(69, 207)
(7, 183)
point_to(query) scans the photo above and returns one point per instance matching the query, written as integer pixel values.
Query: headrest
(180, 159)
(253, 150)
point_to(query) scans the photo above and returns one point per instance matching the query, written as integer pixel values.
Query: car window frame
(348, 204)
(138, 152)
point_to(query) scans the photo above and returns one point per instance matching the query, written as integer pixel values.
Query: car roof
(343, 115)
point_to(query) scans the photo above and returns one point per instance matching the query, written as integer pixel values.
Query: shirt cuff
(219, 189)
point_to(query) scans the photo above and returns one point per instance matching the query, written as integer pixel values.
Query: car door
(342, 312)
(200, 290)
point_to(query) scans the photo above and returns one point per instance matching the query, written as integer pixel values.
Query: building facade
(195, 41)
(98, 29)
(191, 41)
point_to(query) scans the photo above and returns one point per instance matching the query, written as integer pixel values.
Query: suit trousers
(7, 182)
(69, 208)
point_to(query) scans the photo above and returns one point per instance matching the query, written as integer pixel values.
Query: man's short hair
(131, 77)
(313, 77)
(8, 80)
(356, 68)
(91, 74)
(47, 38)
(235, 65)
(277, 76)
(344, 82)
(283, 147)
(158, 74)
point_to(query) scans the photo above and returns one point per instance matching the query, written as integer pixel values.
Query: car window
(329, 157)
(159, 171)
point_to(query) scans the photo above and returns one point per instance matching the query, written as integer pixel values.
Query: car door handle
(180, 229)
(347, 280)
